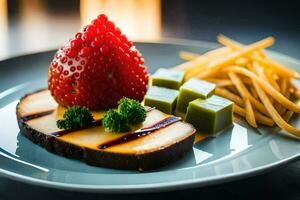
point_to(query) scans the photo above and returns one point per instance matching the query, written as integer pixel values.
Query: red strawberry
(97, 67)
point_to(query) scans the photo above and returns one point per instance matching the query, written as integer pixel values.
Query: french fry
(272, 111)
(283, 85)
(288, 115)
(250, 118)
(253, 92)
(280, 109)
(241, 61)
(271, 80)
(277, 67)
(185, 55)
(245, 95)
(235, 45)
(259, 117)
(221, 82)
(215, 65)
(291, 86)
(190, 73)
(267, 87)
(229, 95)
(233, 89)
(277, 105)
(241, 88)
(202, 59)
(218, 52)
(283, 88)
(298, 94)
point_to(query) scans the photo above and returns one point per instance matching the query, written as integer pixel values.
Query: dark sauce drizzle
(66, 131)
(141, 132)
(36, 115)
(95, 123)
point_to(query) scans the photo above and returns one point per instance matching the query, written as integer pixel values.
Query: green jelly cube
(210, 115)
(167, 78)
(164, 99)
(191, 90)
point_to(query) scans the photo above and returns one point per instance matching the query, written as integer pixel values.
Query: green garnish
(114, 121)
(132, 110)
(75, 117)
(129, 112)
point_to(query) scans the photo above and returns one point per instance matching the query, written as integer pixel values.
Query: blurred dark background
(36, 25)
(33, 25)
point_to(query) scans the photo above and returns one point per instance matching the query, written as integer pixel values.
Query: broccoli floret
(75, 117)
(129, 112)
(132, 110)
(114, 121)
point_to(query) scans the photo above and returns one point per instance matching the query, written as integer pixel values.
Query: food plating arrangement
(104, 108)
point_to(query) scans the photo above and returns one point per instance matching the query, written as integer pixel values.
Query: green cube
(164, 99)
(191, 90)
(210, 115)
(167, 78)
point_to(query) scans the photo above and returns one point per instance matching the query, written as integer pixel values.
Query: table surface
(41, 25)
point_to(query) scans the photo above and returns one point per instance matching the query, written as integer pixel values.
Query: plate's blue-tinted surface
(238, 152)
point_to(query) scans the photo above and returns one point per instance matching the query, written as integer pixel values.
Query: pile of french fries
(261, 88)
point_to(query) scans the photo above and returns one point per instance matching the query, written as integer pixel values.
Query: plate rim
(153, 187)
